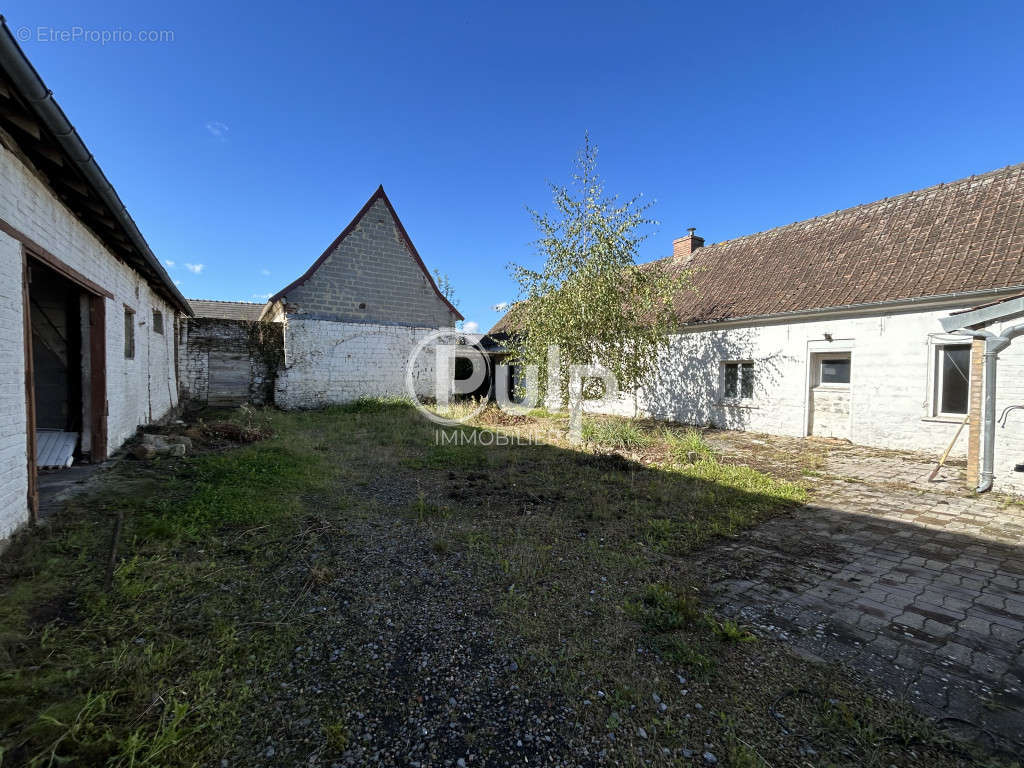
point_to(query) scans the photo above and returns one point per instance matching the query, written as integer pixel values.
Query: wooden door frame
(30, 394)
(97, 362)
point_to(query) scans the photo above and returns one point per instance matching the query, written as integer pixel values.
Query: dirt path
(398, 658)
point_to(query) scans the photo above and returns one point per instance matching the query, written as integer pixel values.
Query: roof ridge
(228, 301)
(843, 211)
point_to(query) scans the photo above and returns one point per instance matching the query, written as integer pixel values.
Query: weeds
(622, 434)
(161, 670)
(687, 447)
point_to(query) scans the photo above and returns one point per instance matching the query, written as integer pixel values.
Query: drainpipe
(993, 346)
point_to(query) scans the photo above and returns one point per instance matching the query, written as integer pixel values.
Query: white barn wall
(328, 362)
(138, 390)
(13, 436)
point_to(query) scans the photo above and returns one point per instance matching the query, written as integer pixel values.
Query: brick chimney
(683, 247)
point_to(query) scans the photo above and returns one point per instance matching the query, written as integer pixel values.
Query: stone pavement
(917, 586)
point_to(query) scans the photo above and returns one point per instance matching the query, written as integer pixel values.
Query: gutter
(869, 308)
(34, 90)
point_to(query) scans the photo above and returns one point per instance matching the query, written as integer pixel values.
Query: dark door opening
(56, 310)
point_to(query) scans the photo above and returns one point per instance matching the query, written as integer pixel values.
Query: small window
(835, 370)
(129, 333)
(158, 322)
(739, 381)
(952, 378)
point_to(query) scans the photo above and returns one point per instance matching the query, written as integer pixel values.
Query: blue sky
(249, 142)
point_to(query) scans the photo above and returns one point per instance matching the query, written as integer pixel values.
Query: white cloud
(471, 326)
(218, 130)
(264, 271)
(263, 296)
(195, 269)
(169, 263)
(177, 282)
(501, 306)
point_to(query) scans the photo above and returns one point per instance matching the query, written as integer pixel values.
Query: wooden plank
(97, 378)
(229, 378)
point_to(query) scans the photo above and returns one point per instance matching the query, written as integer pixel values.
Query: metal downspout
(993, 346)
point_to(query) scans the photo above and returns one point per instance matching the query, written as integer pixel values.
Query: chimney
(683, 247)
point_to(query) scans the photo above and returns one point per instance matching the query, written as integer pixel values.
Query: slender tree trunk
(575, 410)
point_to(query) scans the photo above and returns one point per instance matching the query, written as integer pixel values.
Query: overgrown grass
(153, 671)
(618, 433)
(687, 446)
(219, 548)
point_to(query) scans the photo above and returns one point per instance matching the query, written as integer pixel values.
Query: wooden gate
(230, 376)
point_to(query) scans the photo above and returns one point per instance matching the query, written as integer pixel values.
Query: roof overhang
(979, 317)
(916, 304)
(49, 145)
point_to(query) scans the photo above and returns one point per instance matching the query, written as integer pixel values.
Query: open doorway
(56, 307)
(65, 369)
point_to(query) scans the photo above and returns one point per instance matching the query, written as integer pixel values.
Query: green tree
(444, 285)
(590, 298)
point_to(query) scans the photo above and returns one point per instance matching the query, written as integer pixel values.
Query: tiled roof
(226, 310)
(963, 237)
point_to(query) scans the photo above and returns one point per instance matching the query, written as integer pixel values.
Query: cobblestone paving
(917, 585)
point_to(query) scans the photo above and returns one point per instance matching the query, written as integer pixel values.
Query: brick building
(353, 319)
(88, 315)
(833, 327)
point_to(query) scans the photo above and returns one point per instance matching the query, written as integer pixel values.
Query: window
(835, 370)
(952, 378)
(738, 380)
(129, 333)
(158, 322)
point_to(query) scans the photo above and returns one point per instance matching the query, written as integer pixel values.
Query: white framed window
(737, 380)
(831, 370)
(952, 379)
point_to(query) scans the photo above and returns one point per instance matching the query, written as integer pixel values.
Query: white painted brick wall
(138, 390)
(1010, 438)
(330, 362)
(891, 384)
(13, 475)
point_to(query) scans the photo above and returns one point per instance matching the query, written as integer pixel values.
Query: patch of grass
(624, 434)
(154, 671)
(375, 405)
(249, 486)
(449, 456)
(687, 446)
(425, 510)
(662, 609)
(337, 736)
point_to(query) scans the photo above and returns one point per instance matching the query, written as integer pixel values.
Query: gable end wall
(372, 266)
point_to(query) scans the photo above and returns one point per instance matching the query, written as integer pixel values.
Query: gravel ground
(398, 657)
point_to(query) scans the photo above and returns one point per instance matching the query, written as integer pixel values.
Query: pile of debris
(151, 445)
(178, 438)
